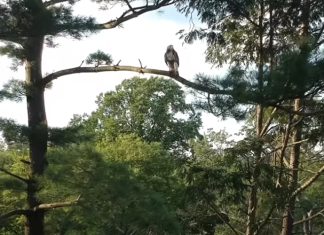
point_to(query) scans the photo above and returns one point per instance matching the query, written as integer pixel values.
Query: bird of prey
(172, 60)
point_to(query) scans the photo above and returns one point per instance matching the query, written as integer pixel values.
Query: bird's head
(170, 48)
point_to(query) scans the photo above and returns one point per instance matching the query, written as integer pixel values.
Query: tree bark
(253, 198)
(37, 136)
(288, 215)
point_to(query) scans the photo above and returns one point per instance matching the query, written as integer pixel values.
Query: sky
(145, 37)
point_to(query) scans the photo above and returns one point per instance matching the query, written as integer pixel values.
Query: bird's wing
(176, 57)
(166, 58)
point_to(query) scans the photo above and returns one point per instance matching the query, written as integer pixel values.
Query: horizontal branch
(115, 68)
(53, 2)
(45, 206)
(48, 206)
(14, 175)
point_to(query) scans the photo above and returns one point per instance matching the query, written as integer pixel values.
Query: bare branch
(134, 12)
(267, 124)
(140, 63)
(308, 182)
(52, 2)
(129, 6)
(109, 68)
(14, 175)
(48, 206)
(282, 152)
(310, 217)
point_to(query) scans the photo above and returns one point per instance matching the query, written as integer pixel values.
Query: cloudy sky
(144, 38)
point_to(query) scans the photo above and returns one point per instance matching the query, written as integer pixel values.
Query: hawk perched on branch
(172, 60)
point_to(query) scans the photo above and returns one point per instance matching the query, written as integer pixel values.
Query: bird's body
(172, 60)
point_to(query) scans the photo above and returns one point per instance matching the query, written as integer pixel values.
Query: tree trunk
(288, 215)
(253, 198)
(38, 132)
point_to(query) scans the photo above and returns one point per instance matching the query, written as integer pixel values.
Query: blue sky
(145, 38)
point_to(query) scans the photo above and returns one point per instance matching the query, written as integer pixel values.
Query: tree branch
(308, 182)
(48, 206)
(45, 206)
(267, 124)
(108, 68)
(14, 175)
(52, 2)
(134, 12)
(309, 218)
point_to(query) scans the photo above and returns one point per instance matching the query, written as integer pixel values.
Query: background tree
(256, 63)
(154, 109)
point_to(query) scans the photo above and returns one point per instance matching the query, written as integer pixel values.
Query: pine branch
(134, 12)
(310, 218)
(308, 182)
(109, 68)
(14, 175)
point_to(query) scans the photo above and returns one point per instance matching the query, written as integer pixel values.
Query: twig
(140, 63)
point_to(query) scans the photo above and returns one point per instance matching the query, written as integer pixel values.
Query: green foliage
(13, 90)
(12, 189)
(31, 18)
(118, 193)
(99, 58)
(153, 109)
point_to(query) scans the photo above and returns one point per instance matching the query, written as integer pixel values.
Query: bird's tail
(176, 67)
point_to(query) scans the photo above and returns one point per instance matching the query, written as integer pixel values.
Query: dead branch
(140, 63)
(48, 206)
(309, 218)
(283, 149)
(308, 182)
(53, 2)
(267, 124)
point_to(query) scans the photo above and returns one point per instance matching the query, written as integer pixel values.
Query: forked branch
(134, 12)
